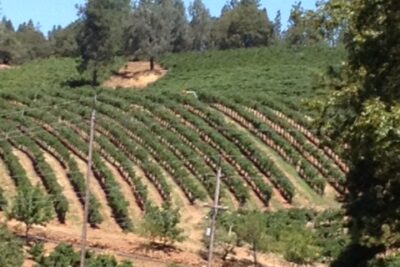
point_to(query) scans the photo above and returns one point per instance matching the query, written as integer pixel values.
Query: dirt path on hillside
(134, 211)
(132, 247)
(105, 210)
(126, 246)
(75, 212)
(6, 182)
(135, 75)
(27, 165)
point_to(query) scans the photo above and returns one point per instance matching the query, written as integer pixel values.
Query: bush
(37, 251)
(10, 249)
(162, 224)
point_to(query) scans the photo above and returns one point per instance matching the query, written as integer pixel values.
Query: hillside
(243, 110)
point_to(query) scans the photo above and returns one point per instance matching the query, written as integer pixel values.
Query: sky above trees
(46, 13)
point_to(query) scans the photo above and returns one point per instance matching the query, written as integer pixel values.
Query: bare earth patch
(135, 75)
(75, 213)
(6, 182)
(4, 67)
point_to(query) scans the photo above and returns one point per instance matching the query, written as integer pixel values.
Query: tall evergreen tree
(146, 35)
(7, 43)
(63, 40)
(33, 42)
(306, 27)
(364, 114)
(250, 3)
(295, 32)
(180, 30)
(8, 24)
(158, 26)
(278, 25)
(244, 25)
(200, 25)
(100, 38)
(227, 7)
(21, 45)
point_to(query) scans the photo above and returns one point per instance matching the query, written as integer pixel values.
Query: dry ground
(135, 75)
(130, 246)
(4, 67)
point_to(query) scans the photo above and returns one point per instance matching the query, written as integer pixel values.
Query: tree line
(149, 28)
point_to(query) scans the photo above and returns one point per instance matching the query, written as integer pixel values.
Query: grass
(47, 74)
(279, 70)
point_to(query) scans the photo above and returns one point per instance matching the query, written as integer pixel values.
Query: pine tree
(200, 25)
(244, 25)
(180, 29)
(100, 38)
(7, 24)
(278, 25)
(63, 40)
(295, 32)
(158, 27)
(306, 27)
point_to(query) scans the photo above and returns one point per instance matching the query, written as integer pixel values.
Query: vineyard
(247, 114)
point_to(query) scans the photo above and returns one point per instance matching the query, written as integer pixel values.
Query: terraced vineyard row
(141, 140)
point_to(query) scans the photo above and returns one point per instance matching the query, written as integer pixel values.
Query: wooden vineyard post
(215, 207)
(87, 192)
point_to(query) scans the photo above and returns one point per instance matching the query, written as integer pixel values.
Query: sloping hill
(242, 110)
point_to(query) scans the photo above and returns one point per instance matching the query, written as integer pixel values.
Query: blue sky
(47, 13)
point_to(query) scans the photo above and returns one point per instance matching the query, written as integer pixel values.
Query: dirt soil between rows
(135, 75)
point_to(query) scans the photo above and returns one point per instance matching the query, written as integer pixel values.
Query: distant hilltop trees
(149, 28)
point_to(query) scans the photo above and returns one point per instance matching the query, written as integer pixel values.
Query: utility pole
(89, 173)
(215, 207)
